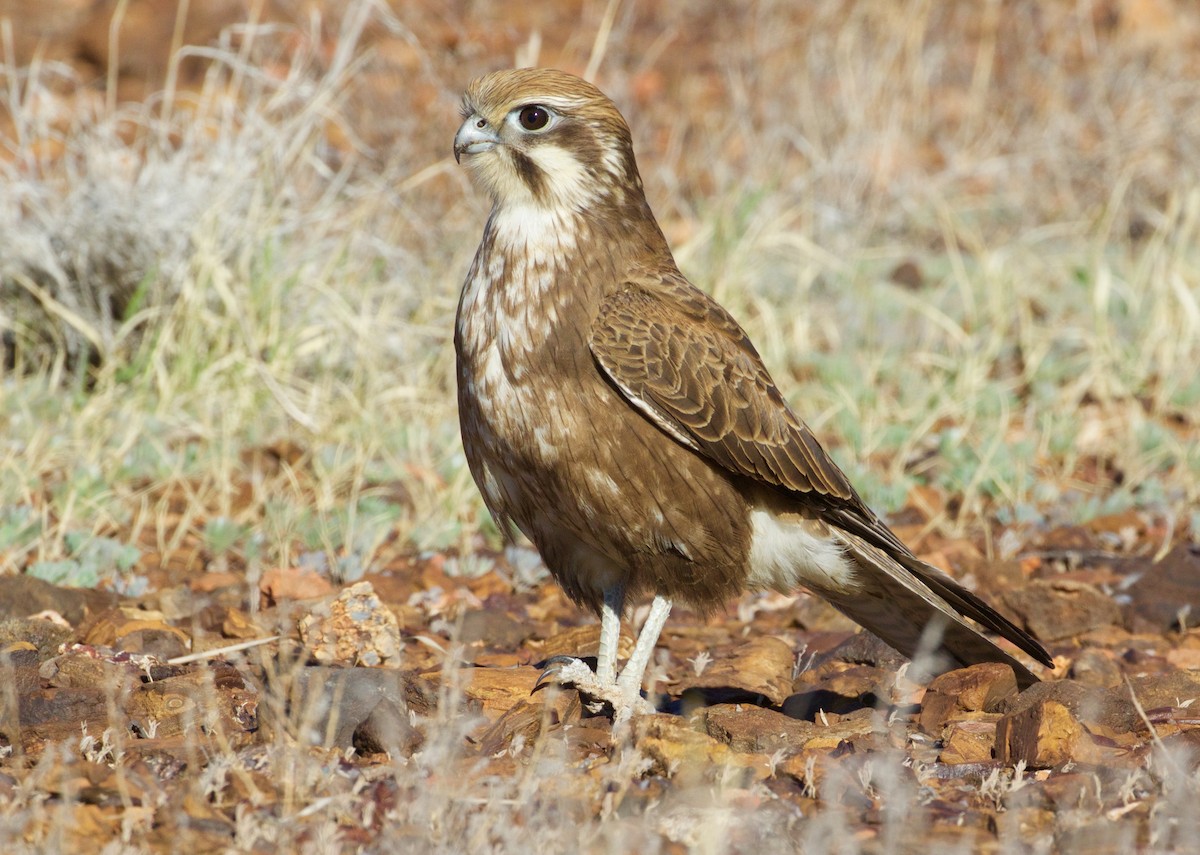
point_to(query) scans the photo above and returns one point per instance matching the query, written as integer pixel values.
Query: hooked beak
(474, 136)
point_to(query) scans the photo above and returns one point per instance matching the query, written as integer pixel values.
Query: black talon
(552, 666)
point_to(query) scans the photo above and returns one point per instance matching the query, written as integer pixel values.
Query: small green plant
(90, 560)
(222, 535)
(20, 528)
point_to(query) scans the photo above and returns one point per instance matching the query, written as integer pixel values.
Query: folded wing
(680, 359)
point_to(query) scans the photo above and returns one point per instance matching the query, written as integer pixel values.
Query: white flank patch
(785, 555)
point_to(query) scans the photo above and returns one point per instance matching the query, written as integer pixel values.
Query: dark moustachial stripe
(529, 173)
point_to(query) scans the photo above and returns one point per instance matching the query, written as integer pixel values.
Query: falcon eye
(533, 117)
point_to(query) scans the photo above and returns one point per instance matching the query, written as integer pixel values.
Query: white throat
(535, 234)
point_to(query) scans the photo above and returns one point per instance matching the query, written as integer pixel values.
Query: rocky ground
(139, 717)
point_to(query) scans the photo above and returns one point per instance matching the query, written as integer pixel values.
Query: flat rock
(527, 719)
(863, 730)
(22, 596)
(970, 740)
(1067, 538)
(1055, 609)
(43, 635)
(495, 689)
(1110, 709)
(760, 666)
(675, 749)
(84, 667)
(55, 714)
(495, 629)
(750, 728)
(1185, 658)
(1173, 689)
(997, 575)
(136, 630)
(865, 648)
(978, 688)
(1095, 667)
(580, 641)
(1166, 593)
(293, 583)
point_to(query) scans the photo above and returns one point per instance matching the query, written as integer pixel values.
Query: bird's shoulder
(660, 294)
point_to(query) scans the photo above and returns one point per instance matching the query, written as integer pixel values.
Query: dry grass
(227, 311)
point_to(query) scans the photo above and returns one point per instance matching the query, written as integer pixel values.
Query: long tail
(919, 610)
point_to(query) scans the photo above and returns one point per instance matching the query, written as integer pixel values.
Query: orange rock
(209, 582)
(978, 688)
(1187, 658)
(496, 690)
(1045, 734)
(579, 641)
(238, 624)
(745, 727)
(1055, 609)
(527, 719)
(861, 730)
(677, 751)
(137, 631)
(761, 666)
(969, 741)
(293, 583)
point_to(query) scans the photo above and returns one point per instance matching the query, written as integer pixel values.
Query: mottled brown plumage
(622, 419)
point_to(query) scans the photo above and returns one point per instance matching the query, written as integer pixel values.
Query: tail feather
(919, 610)
(977, 610)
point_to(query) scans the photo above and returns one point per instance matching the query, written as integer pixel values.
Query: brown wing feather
(683, 361)
(680, 358)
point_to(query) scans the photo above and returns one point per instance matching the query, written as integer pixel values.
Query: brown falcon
(622, 420)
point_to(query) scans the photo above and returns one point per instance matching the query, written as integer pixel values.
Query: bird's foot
(569, 671)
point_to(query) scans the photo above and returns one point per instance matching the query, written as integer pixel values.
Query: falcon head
(544, 138)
